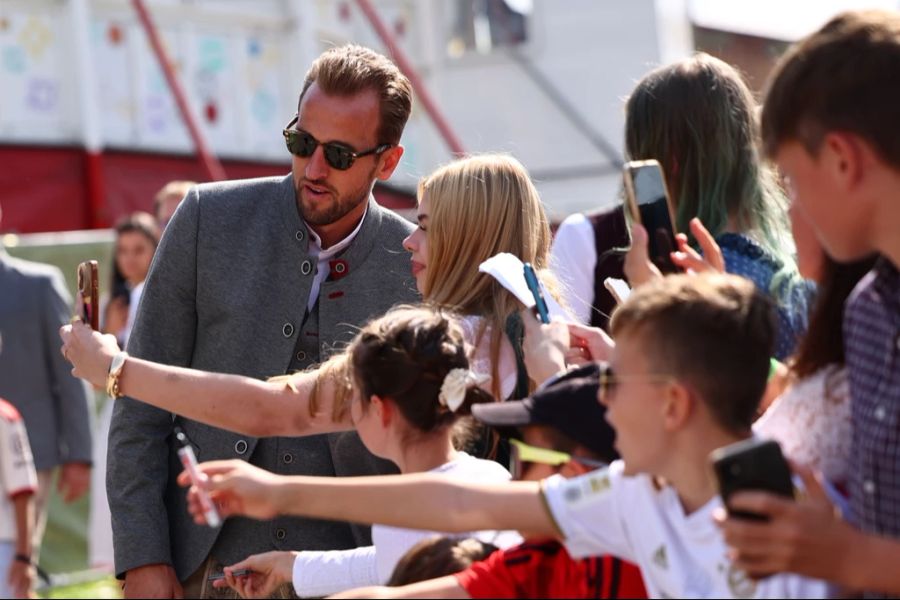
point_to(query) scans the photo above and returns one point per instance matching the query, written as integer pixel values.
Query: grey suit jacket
(226, 292)
(34, 376)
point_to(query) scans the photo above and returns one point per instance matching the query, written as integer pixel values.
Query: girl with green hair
(698, 119)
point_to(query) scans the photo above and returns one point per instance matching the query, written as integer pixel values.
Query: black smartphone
(647, 202)
(88, 288)
(752, 464)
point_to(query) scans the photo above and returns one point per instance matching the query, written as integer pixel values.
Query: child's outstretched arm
(415, 501)
(241, 404)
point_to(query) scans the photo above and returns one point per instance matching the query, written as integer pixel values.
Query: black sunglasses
(341, 157)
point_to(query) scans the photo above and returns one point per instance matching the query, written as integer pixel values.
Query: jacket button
(306, 267)
(280, 534)
(288, 458)
(301, 355)
(300, 235)
(287, 330)
(339, 268)
(240, 446)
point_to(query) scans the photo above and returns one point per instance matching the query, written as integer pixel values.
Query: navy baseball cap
(567, 403)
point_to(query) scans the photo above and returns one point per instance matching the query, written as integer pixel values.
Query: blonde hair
(480, 206)
(178, 188)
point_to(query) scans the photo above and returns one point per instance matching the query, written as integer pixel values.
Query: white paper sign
(510, 272)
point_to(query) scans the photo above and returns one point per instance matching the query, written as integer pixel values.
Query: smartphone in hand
(88, 291)
(752, 464)
(647, 202)
(618, 289)
(534, 286)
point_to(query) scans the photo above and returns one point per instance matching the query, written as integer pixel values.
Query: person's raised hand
(236, 488)
(692, 261)
(545, 346)
(89, 351)
(805, 536)
(638, 267)
(588, 344)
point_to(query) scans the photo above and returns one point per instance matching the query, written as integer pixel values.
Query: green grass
(107, 587)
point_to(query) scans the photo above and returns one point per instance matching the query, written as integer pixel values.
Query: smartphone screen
(649, 204)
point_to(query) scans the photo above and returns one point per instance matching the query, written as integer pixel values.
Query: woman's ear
(384, 409)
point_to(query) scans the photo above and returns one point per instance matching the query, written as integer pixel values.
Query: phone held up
(88, 290)
(647, 202)
(618, 288)
(534, 286)
(752, 464)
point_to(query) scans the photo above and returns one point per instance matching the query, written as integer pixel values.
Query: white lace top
(811, 421)
(480, 355)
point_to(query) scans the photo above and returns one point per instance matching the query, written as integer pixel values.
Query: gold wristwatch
(115, 370)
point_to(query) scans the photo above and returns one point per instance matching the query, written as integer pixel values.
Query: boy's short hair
(843, 77)
(438, 557)
(714, 332)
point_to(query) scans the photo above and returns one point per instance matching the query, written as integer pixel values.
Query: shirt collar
(315, 242)
(887, 281)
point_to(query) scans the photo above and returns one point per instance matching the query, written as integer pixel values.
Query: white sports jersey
(680, 556)
(17, 473)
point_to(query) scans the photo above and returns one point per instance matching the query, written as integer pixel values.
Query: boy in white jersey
(18, 482)
(686, 375)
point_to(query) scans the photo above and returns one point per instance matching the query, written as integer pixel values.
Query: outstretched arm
(241, 404)
(239, 488)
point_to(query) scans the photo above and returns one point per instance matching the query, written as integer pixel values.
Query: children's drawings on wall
(32, 76)
(42, 94)
(233, 77)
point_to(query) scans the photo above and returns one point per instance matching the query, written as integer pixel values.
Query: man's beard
(334, 209)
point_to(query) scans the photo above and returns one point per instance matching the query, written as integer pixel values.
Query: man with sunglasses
(263, 277)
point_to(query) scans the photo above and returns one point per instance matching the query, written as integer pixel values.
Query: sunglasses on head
(338, 156)
(521, 453)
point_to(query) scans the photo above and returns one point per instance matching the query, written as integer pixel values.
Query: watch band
(115, 371)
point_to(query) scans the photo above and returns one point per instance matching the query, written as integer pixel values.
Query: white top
(323, 256)
(811, 422)
(17, 473)
(573, 258)
(321, 573)
(134, 297)
(480, 356)
(680, 556)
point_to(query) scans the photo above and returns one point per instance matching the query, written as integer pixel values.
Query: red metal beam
(404, 64)
(211, 164)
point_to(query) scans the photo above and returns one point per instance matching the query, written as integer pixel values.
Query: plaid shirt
(872, 342)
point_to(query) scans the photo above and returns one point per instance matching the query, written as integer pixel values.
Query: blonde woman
(468, 211)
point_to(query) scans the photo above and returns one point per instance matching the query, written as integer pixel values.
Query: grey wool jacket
(227, 292)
